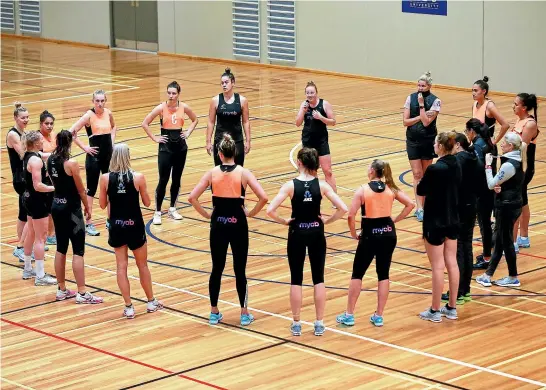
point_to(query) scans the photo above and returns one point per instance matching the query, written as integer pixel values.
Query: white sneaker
(129, 312)
(174, 214)
(153, 305)
(157, 218)
(46, 280)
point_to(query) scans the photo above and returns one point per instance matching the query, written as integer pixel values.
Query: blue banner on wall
(429, 7)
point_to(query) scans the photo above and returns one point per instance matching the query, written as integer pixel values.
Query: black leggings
(94, 166)
(369, 247)
(315, 243)
(239, 155)
(237, 237)
(467, 218)
(69, 227)
(505, 217)
(169, 162)
(486, 202)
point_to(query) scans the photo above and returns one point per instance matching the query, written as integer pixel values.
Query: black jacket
(440, 184)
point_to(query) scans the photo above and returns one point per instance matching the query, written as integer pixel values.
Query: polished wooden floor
(498, 340)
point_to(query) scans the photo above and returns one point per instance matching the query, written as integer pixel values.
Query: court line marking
(16, 384)
(301, 349)
(243, 333)
(63, 77)
(107, 353)
(41, 66)
(519, 357)
(31, 79)
(126, 87)
(71, 97)
(344, 333)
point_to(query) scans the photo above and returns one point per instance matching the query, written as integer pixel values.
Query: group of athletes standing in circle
(463, 184)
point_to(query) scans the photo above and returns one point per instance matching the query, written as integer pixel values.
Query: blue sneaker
(419, 214)
(319, 329)
(51, 240)
(346, 319)
(508, 281)
(215, 318)
(107, 224)
(376, 320)
(246, 319)
(295, 329)
(484, 280)
(523, 242)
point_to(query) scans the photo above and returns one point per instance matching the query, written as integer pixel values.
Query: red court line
(109, 353)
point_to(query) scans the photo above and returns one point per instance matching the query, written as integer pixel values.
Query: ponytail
(227, 146)
(383, 170)
(523, 151)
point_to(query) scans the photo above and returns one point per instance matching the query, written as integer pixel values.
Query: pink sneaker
(88, 298)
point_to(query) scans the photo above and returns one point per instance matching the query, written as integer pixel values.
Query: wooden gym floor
(497, 341)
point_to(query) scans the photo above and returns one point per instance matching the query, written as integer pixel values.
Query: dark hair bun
(485, 78)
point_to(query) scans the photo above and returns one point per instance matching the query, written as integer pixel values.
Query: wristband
(421, 107)
(488, 167)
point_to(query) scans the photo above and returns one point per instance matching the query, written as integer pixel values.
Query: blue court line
(402, 179)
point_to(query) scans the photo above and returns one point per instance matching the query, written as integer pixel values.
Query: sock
(433, 311)
(28, 263)
(129, 305)
(294, 322)
(151, 300)
(317, 322)
(19, 247)
(40, 272)
(449, 307)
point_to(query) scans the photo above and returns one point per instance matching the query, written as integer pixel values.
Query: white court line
(291, 157)
(41, 66)
(341, 332)
(300, 349)
(16, 384)
(70, 97)
(65, 77)
(242, 333)
(31, 79)
(499, 364)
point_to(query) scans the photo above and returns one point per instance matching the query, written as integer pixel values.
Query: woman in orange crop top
(101, 130)
(228, 222)
(486, 111)
(173, 149)
(377, 237)
(527, 127)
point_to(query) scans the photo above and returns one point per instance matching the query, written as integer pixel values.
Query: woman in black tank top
(306, 232)
(230, 112)
(121, 188)
(35, 202)
(16, 151)
(68, 218)
(316, 114)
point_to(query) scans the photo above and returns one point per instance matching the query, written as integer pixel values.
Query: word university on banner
(428, 7)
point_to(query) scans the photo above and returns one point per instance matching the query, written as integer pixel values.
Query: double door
(135, 24)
